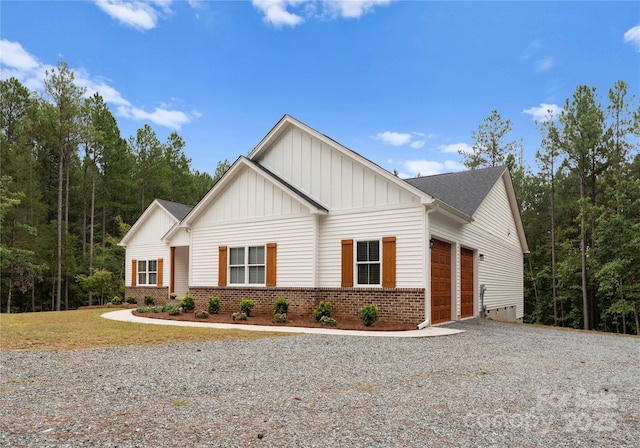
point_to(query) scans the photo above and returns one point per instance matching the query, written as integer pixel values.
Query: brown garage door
(466, 283)
(440, 282)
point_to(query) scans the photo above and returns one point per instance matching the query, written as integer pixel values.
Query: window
(368, 262)
(247, 265)
(147, 272)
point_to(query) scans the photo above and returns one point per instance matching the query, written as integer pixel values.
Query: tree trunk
(59, 253)
(635, 315)
(583, 253)
(9, 297)
(91, 218)
(553, 250)
(33, 296)
(66, 234)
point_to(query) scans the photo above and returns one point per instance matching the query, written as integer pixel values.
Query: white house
(305, 218)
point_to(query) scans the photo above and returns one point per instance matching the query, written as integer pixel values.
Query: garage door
(440, 282)
(466, 283)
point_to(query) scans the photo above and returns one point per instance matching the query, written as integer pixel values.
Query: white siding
(250, 196)
(146, 243)
(406, 224)
(328, 176)
(294, 237)
(493, 234)
(181, 277)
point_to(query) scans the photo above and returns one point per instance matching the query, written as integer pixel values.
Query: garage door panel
(466, 283)
(440, 282)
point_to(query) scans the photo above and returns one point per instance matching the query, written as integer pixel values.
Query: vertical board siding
(292, 235)
(181, 277)
(406, 224)
(329, 177)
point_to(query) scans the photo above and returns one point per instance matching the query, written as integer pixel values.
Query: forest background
(71, 186)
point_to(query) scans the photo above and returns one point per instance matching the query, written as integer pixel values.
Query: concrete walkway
(127, 316)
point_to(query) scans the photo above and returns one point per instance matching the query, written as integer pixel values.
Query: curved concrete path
(127, 316)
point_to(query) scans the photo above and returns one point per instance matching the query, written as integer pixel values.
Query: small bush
(144, 309)
(132, 300)
(328, 321)
(116, 301)
(148, 300)
(246, 306)
(239, 316)
(279, 318)
(173, 296)
(369, 315)
(201, 314)
(187, 303)
(214, 305)
(158, 309)
(281, 306)
(174, 311)
(323, 309)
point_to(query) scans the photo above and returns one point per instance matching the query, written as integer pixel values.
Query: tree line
(71, 186)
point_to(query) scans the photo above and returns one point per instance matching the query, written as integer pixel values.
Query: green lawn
(65, 330)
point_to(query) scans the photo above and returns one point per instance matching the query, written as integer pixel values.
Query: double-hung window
(368, 262)
(247, 265)
(147, 272)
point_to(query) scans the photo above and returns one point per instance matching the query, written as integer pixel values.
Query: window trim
(247, 265)
(146, 272)
(357, 263)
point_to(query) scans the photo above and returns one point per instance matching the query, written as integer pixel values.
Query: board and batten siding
(406, 224)
(146, 243)
(327, 175)
(293, 236)
(493, 234)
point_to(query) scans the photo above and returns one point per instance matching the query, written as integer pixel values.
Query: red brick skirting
(394, 305)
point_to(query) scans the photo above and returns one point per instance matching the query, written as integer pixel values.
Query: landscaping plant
(214, 305)
(323, 309)
(246, 306)
(369, 315)
(187, 303)
(281, 306)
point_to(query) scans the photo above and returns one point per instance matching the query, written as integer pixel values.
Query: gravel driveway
(495, 385)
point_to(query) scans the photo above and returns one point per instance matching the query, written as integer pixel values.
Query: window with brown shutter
(271, 264)
(222, 266)
(347, 263)
(134, 274)
(389, 262)
(160, 265)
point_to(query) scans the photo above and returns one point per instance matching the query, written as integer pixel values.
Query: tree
(489, 147)
(66, 97)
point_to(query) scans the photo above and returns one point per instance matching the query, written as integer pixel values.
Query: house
(305, 218)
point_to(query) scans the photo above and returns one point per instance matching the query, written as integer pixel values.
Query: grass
(67, 330)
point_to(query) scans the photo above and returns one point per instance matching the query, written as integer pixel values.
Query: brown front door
(466, 283)
(440, 282)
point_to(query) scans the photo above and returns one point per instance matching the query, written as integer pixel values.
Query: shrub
(187, 303)
(144, 309)
(157, 309)
(174, 311)
(214, 305)
(369, 314)
(281, 306)
(246, 306)
(132, 300)
(201, 314)
(328, 321)
(323, 309)
(148, 300)
(116, 301)
(239, 316)
(173, 296)
(279, 318)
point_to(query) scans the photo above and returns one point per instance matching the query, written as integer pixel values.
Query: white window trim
(246, 266)
(356, 263)
(146, 273)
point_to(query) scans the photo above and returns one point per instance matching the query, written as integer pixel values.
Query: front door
(440, 282)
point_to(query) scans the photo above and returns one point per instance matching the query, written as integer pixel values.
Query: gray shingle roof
(179, 211)
(464, 190)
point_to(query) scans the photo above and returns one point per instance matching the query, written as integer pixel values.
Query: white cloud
(291, 13)
(141, 15)
(544, 111)
(16, 62)
(430, 167)
(632, 36)
(394, 138)
(417, 144)
(544, 64)
(456, 148)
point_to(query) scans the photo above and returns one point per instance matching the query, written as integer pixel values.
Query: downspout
(426, 274)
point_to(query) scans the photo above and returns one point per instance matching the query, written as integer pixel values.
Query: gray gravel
(495, 385)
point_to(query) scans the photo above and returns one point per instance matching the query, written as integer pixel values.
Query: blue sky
(404, 83)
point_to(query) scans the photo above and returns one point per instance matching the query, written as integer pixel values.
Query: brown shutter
(222, 266)
(389, 262)
(160, 269)
(271, 264)
(172, 273)
(347, 264)
(134, 272)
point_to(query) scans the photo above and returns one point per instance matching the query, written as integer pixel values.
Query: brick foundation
(394, 305)
(160, 294)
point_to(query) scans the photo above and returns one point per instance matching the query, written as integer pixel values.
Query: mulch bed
(294, 320)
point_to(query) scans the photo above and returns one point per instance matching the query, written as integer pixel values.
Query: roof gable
(179, 211)
(175, 211)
